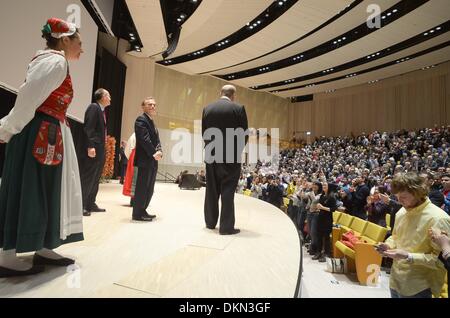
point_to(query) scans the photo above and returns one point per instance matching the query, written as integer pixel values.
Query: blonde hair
(410, 182)
(148, 98)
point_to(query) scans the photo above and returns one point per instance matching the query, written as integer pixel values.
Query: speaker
(189, 181)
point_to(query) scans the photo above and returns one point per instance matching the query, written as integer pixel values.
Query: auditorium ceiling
(295, 48)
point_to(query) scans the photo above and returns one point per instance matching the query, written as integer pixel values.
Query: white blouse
(45, 74)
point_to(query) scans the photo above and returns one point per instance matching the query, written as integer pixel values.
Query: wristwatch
(409, 258)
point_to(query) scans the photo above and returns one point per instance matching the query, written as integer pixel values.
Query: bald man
(223, 159)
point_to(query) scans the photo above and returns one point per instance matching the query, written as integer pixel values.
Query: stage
(173, 256)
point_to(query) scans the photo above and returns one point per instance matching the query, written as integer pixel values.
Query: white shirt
(45, 74)
(131, 144)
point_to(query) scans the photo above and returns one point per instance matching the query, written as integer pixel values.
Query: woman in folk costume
(40, 193)
(130, 178)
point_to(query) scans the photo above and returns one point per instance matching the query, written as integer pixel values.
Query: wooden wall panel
(411, 101)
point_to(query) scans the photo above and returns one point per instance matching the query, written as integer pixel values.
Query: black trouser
(324, 243)
(301, 218)
(123, 172)
(221, 181)
(145, 185)
(90, 172)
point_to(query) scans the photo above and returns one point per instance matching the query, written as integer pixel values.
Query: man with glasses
(93, 156)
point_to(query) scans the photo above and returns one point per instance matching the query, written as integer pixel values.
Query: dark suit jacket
(147, 141)
(225, 114)
(94, 128)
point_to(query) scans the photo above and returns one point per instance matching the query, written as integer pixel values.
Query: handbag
(336, 265)
(349, 239)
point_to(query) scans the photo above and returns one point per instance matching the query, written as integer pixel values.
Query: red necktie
(106, 132)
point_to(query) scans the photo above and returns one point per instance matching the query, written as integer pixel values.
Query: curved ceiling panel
(300, 19)
(433, 58)
(371, 63)
(402, 29)
(147, 17)
(359, 69)
(344, 40)
(214, 20)
(347, 22)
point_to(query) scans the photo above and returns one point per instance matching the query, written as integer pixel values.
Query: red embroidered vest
(58, 102)
(48, 147)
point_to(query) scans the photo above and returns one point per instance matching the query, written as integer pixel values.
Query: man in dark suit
(123, 161)
(223, 156)
(93, 156)
(148, 153)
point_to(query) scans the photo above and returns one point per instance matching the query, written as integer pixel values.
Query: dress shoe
(143, 219)
(316, 257)
(41, 260)
(210, 227)
(151, 216)
(322, 259)
(86, 213)
(7, 272)
(95, 208)
(233, 231)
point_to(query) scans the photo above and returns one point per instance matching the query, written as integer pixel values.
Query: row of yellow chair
(363, 259)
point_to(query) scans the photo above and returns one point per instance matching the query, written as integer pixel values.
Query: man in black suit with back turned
(93, 155)
(148, 153)
(223, 159)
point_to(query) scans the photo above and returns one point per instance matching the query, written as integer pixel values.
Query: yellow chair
(336, 216)
(358, 226)
(345, 221)
(388, 221)
(364, 259)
